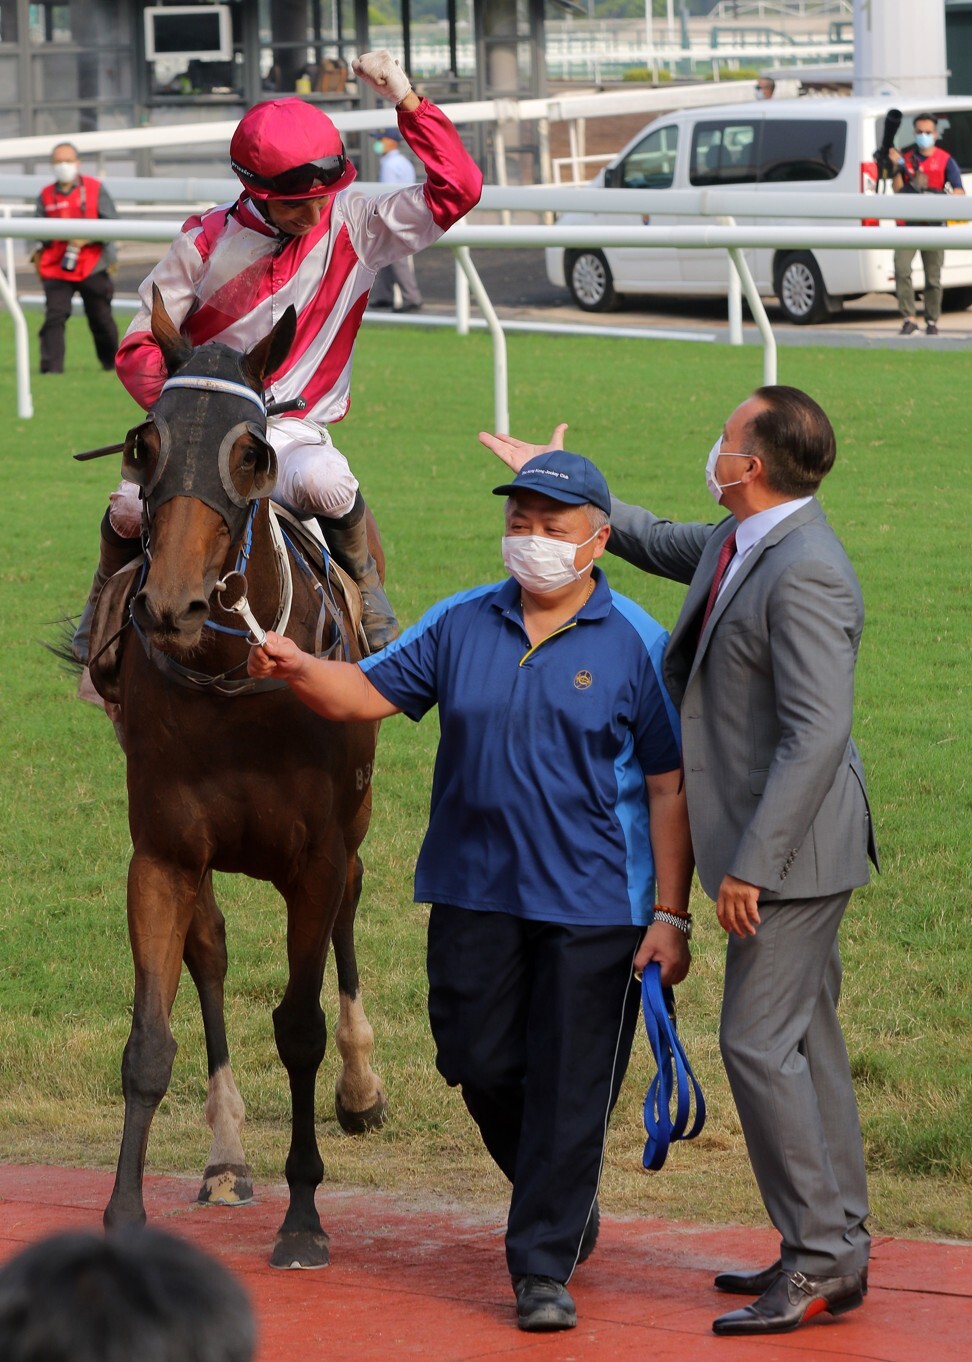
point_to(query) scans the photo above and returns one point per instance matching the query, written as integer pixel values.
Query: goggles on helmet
(300, 180)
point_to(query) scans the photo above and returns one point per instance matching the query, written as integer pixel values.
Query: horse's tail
(60, 644)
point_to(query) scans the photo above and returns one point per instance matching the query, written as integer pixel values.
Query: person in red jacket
(69, 267)
(922, 168)
(296, 235)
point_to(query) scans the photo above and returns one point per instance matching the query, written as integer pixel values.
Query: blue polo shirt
(538, 806)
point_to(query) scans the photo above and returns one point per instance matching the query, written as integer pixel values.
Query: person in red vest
(69, 267)
(922, 168)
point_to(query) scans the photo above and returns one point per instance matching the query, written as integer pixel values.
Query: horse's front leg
(161, 898)
(359, 1098)
(228, 1180)
(301, 1034)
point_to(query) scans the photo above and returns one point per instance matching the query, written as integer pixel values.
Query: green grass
(648, 413)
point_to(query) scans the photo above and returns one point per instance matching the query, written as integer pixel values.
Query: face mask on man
(716, 488)
(925, 140)
(540, 564)
(378, 147)
(66, 172)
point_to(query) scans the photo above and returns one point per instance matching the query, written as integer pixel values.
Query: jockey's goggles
(300, 180)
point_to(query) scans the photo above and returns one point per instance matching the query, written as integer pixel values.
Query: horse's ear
(175, 349)
(268, 355)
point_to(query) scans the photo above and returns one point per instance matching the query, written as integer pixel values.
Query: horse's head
(200, 458)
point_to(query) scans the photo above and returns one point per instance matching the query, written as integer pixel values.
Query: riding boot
(116, 552)
(347, 538)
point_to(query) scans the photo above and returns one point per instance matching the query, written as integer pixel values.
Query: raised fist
(383, 73)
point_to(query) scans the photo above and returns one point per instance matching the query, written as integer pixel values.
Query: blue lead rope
(674, 1074)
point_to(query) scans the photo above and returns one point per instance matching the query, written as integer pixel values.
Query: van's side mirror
(612, 177)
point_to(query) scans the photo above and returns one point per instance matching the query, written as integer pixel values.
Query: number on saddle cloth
(674, 1074)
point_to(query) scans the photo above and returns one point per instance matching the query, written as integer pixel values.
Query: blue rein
(674, 1074)
(242, 559)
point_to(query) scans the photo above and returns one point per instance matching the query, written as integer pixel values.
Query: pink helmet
(288, 149)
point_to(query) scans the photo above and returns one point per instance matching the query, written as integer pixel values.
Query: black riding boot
(116, 552)
(347, 538)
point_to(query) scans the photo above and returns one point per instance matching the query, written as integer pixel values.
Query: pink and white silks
(230, 275)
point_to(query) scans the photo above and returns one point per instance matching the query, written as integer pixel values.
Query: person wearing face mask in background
(923, 168)
(765, 87)
(395, 168)
(69, 267)
(557, 808)
(761, 663)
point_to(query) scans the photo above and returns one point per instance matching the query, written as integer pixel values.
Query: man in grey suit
(761, 663)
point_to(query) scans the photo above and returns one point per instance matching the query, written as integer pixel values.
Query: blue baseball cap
(562, 476)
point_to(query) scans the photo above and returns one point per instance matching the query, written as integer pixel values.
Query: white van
(804, 146)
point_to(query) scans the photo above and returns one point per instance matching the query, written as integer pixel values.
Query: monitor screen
(203, 32)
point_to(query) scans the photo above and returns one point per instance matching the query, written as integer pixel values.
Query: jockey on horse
(293, 237)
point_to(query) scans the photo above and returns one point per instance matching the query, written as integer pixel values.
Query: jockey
(296, 236)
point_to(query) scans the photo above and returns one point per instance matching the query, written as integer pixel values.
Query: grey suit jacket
(775, 785)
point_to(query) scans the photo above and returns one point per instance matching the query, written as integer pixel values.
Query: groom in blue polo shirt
(557, 808)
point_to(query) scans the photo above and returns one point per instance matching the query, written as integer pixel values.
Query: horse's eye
(252, 466)
(140, 458)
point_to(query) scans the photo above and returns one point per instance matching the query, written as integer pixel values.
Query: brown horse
(231, 775)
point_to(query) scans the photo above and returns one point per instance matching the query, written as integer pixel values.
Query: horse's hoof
(300, 1248)
(360, 1122)
(226, 1184)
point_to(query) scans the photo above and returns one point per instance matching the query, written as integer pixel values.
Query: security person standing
(69, 267)
(922, 168)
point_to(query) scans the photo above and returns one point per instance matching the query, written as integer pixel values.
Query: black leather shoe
(755, 1283)
(589, 1237)
(790, 1302)
(749, 1283)
(543, 1305)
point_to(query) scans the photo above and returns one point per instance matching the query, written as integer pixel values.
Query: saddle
(109, 627)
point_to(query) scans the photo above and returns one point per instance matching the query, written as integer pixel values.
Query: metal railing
(719, 205)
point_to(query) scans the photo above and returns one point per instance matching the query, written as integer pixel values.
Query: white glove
(383, 73)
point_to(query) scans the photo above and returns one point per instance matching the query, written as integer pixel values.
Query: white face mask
(66, 172)
(716, 488)
(541, 564)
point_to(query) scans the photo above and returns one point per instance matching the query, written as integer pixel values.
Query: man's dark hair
(932, 118)
(794, 438)
(135, 1294)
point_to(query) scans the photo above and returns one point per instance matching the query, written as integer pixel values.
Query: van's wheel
(800, 289)
(956, 299)
(590, 282)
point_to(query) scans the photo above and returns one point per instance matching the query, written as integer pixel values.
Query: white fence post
(501, 399)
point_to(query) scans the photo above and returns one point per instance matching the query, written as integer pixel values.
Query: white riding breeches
(313, 477)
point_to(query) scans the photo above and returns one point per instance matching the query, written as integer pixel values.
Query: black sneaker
(543, 1305)
(931, 329)
(908, 328)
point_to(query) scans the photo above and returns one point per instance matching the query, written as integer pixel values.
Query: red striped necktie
(722, 563)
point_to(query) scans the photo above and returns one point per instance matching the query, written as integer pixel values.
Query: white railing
(715, 204)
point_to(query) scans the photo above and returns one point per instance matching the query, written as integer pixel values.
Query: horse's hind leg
(160, 904)
(227, 1180)
(359, 1099)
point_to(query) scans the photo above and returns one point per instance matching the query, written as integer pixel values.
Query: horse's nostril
(169, 617)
